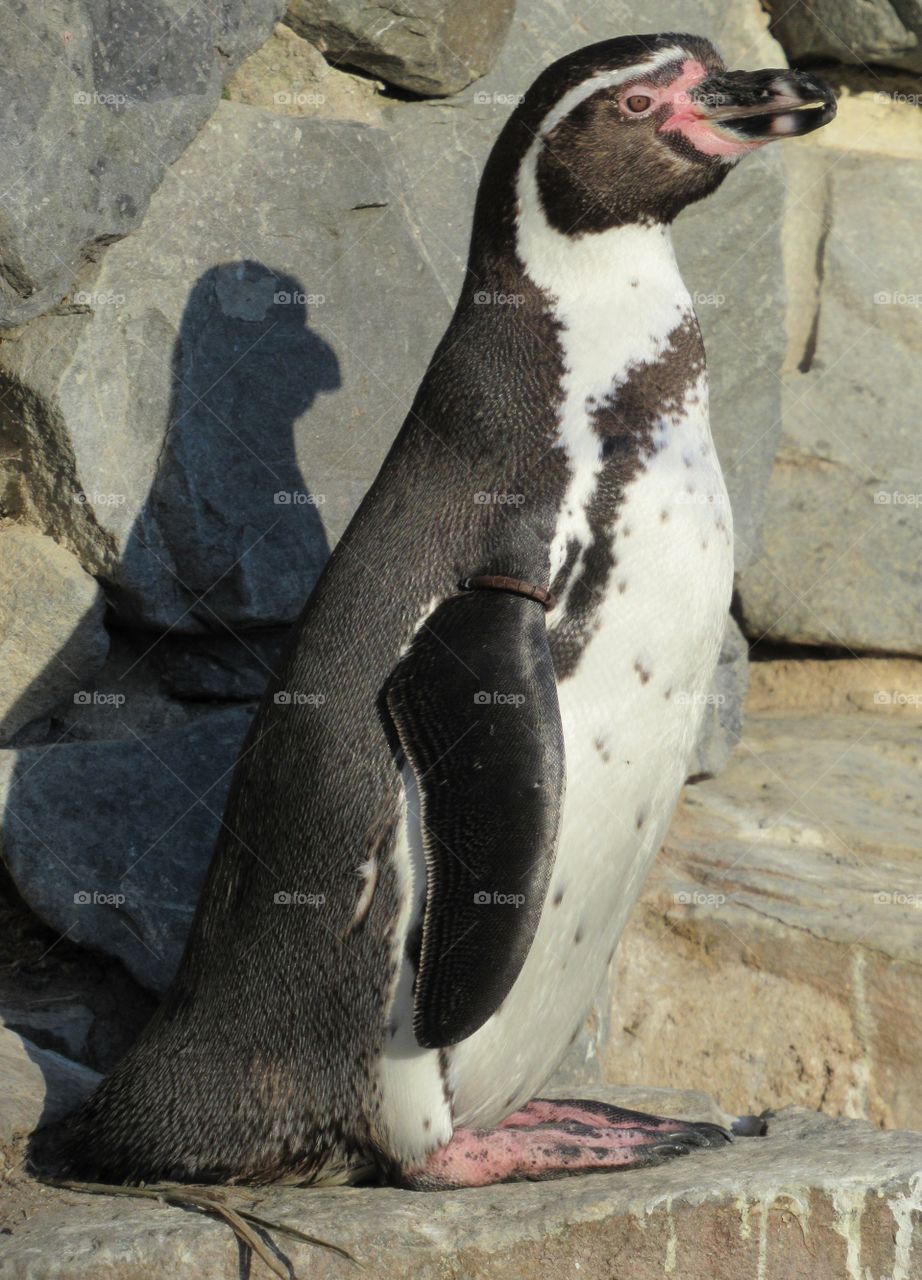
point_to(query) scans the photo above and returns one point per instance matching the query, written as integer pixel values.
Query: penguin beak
(735, 111)
(759, 106)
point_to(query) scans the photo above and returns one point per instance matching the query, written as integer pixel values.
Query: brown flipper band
(499, 582)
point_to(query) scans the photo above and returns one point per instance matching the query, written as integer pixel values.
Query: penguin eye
(638, 103)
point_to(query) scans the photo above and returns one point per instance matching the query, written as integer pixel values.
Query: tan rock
(776, 955)
(885, 686)
(52, 637)
(292, 78)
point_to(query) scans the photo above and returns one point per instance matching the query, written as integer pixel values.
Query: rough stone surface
(427, 46)
(52, 637)
(842, 537)
(63, 1028)
(775, 956)
(814, 1198)
(108, 841)
(225, 666)
(729, 246)
(853, 31)
(289, 76)
(193, 407)
(885, 686)
(39, 1086)
(97, 100)
(723, 716)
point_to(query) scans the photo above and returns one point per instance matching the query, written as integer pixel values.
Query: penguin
(456, 783)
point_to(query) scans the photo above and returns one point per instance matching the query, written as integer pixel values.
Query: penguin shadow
(227, 543)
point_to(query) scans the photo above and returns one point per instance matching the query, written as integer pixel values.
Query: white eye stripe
(606, 80)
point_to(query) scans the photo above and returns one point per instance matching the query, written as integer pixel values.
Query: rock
(842, 538)
(775, 956)
(723, 718)
(97, 100)
(108, 841)
(885, 686)
(729, 247)
(828, 1199)
(427, 46)
(63, 1028)
(221, 666)
(854, 31)
(38, 1085)
(292, 78)
(216, 499)
(52, 636)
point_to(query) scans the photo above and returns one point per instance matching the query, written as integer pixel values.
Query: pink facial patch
(687, 120)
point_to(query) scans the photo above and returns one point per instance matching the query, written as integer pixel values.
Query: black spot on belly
(427, 1124)
(602, 749)
(664, 515)
(578, 936)
(611, 956)
(641, 818)
(558, 897)
(642, 672)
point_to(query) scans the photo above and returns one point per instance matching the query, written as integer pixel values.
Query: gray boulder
(52, 637)
(39, 1086)
(97, 99)
(842, 540)
(428, 46)
(109, 841)
(851, 31)
(222, 415)
(722, 725)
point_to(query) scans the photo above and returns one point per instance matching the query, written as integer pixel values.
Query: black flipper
(474, 703)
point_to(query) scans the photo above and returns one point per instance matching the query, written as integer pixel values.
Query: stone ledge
(815, 1198)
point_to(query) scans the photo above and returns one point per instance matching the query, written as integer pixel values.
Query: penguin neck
(630, 268)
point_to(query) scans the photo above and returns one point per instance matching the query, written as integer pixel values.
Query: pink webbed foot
(557, 1138)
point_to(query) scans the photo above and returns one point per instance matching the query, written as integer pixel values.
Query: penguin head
(632, 130)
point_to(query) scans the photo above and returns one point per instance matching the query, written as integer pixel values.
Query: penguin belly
(631, 710)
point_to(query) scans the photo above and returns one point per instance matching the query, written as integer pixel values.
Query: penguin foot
(551, 1138)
